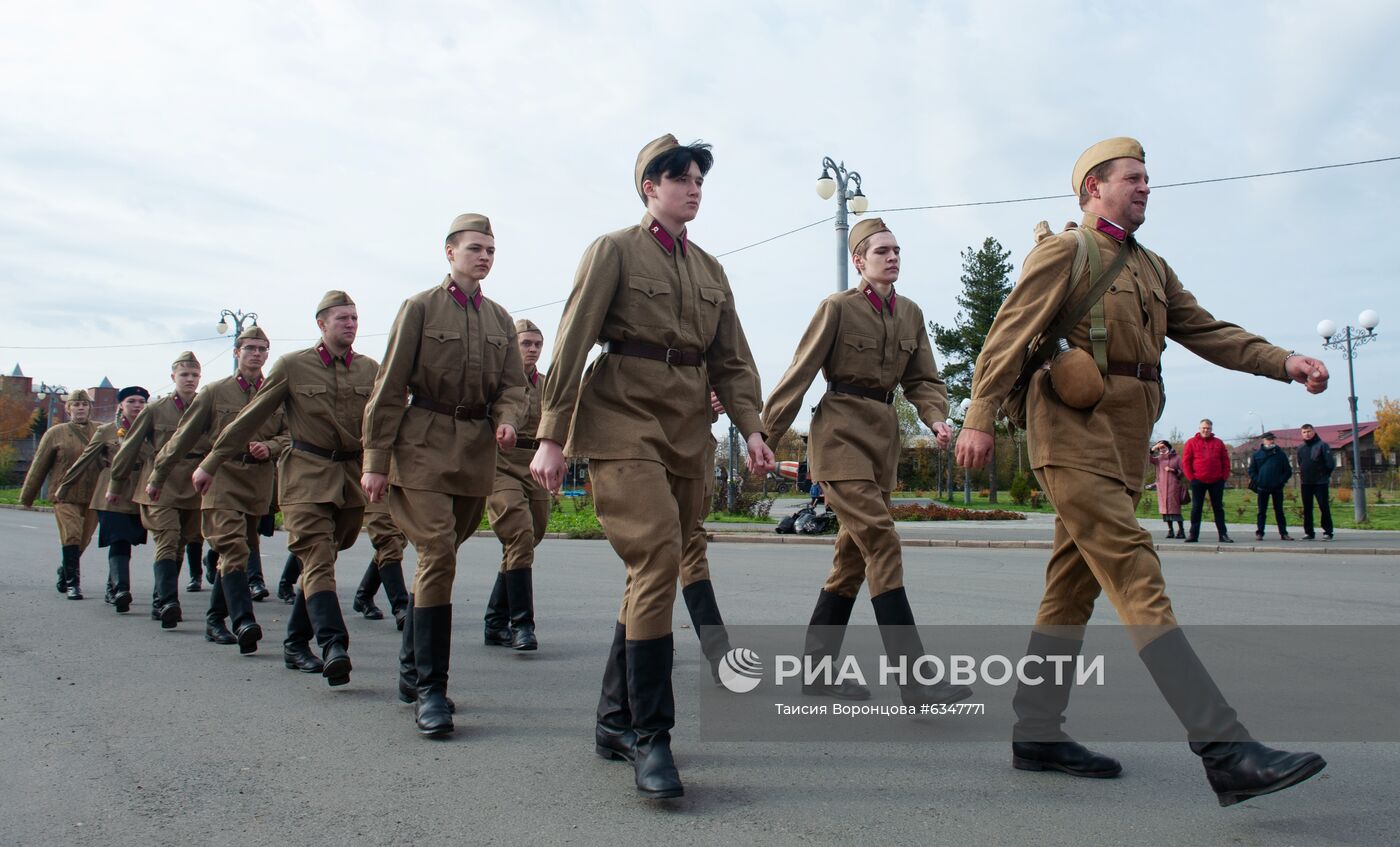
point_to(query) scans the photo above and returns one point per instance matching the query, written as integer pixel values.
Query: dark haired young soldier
(665, 313)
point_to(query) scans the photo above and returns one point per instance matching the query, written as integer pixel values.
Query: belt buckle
(669, 351)
(1139, 371)
(460, 413)
(889, 398)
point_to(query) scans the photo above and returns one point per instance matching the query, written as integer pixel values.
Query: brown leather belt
(526, 444)
(249, 459)
(333, 455)
(1147, 373)
(669, 355)
(461, 413)
(195, 455)
(886, 397)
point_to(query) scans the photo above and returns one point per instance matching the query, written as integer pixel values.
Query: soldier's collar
(875, 301)
(247, 386)
(1106, 226)
(179, 404)
(327, 359)
(664, 238)
(461, 296)
(535, 376)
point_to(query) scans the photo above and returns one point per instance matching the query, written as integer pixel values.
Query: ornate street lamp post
(845, 186)
(1348, 342)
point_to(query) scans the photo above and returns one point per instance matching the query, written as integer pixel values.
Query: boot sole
(664, 794)
(1311, 769)
(437, 732)
(293, 666)
(525, 647)
(610, 754)
(337, 670)
(248, 639)
(169, 616)
(1021, 764)
(122, 602)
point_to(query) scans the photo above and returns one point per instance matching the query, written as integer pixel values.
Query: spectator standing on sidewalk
(1315, 466)
(1171, 487)
(1269, 472)
(1205, 460)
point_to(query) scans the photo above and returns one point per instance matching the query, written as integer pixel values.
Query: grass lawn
(10, 497)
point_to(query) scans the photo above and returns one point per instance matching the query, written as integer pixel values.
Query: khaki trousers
(867, 546)
(173, 529)
(386, 538)
(648, 514)
(519, 523)
(316, 532)
(76, 524)
(436, 524)
(695, 561)
(232, 534)
(1099, 546)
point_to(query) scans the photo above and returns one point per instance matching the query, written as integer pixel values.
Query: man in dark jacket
(1315, 466)
(1205, 460)
(1269, 471)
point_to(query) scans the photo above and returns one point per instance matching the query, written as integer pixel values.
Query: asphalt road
(116, 732)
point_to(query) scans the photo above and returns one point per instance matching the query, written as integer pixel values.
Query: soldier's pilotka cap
(332, 299)
(470, 222)
(78, 395)
(526, 325)
(1105, 151)
(252, 333)
(185, 358)
(654, 148)
(133, 391)
(864, 230)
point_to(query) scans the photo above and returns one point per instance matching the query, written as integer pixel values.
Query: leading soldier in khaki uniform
(665, 313)
(1090, 463)
(454, 351)
(321, 393)
(60, 447)
(175, 519)
(866, 341)
(119, 525)
(233, 505)
(519, 514)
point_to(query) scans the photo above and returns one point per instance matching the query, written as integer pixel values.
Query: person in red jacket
(1206, 463)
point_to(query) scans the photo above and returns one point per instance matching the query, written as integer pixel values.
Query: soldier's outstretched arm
(812, 351)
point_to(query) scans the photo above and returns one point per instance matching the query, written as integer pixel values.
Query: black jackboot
(167, 596)
(520, 596)
(211, 566)
(408, 671)
(364, 595)
(240, 607)
(614, 738)
(72, 555)
(1237, 767)
(901, 639)
(1037, 742)
(391, 577)
(119, 576)
(257, 586)
(709, 625)
(287, 585)
(432, 649)
(296, 649)
(192, 552)
(214, 628)
(825, 632)
(331, 634)
(497, 632)
(653, 705)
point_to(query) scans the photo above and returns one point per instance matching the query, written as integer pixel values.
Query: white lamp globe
(1368, 319)
(826, 186)
(1326, 328)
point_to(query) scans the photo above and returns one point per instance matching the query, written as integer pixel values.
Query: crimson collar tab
(461, 297)
(1111, 229)
(179, 404)
(666, 241)
(535, 377)
(875, 300)
(327, 359)
(248, 386)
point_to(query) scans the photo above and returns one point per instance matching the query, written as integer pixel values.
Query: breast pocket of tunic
(1157, 311)
(711, 306)
(907, 347)
(495, 358)
(859, 355)
(441, 351)
(650, 302)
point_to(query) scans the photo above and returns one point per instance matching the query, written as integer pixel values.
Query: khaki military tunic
(857, 339)
(453, 349)
(60, 447)
(322, 399)
(518, 507)
(1091, 462)
(240, 494)
(644, 424)
(174, 519)
(98, 454)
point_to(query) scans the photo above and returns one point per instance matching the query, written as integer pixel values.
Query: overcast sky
(162, 161)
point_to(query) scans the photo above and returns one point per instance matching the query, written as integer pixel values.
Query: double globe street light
(1348, 341)
(239, 318)
(845, 186)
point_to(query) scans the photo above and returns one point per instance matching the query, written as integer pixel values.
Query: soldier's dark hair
(676, 161)
(1100, 173)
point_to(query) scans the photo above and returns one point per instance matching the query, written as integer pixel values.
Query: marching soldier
(60, 447)
(867, 341)
(385, 567)
(1088, 434)
(232, 506)
(118, 517)
(519, 512)
(175, 521)
(665, 313)
(321, 393)
(454, 351)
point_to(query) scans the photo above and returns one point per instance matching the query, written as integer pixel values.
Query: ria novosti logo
(741, 670)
